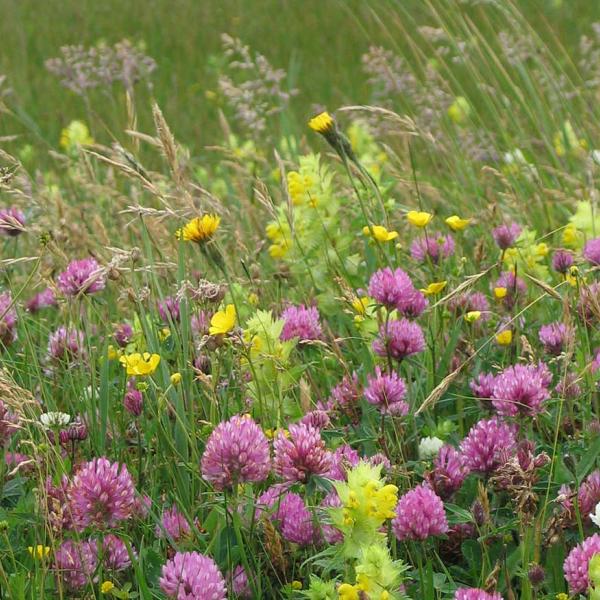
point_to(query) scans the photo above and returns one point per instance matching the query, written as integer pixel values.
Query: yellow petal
(419, 219)
(456, 223)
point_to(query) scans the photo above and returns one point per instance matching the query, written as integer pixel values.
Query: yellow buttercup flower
(253, 298)
(39, 551)
(176, 378)
(434, 288)
(296, 585)
(348, 592)
(380, 233)
(322, 123)
(419, 219)
(199, 229)
(107, 586)
(140, 364)
(500, 292)
(472, 316)
(456, 223)
(504, 338)
(223, 321)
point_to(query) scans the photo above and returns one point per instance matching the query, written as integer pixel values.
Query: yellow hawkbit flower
(107, 587)
(504, 338)
(176, 378)
(140, 364)
(500, 292)
(456, 223)
(380, 233)
(323, 123)
(419, 219)
(223, 321)
(434, 288)
(472, 316)
(39, 552)
(199, 229)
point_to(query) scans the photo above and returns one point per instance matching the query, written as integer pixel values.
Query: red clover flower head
(237, 451)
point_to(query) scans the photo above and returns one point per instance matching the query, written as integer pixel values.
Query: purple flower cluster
(168, 309)
(302, 323)
(555, 336)
(521, 389)
(506, 235)
(76, 562)
(173, 524)
(387, 392)
(485, 444)
(399, 339)
(475, 594)
(449, 472)
(81, 277)
(192, 576)
(515, 288)
(434, 247)
(395, 290)
(302, 454)
(295, 520)
(591, 251)
(237, 451)
(576, 565)
(419, 515)
(101, 494)
(562, 261)
(12, 221)
(471, 301)
(66, 345)
(8, 319)
(43, 299)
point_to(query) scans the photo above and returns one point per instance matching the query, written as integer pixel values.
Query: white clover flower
(54, 419)
(595, 516)
(429, 447)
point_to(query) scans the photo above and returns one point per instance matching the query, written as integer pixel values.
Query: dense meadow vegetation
(300, 300)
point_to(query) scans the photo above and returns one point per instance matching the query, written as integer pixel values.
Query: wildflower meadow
(321, 323)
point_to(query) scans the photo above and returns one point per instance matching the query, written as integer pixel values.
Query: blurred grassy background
(318, 42)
